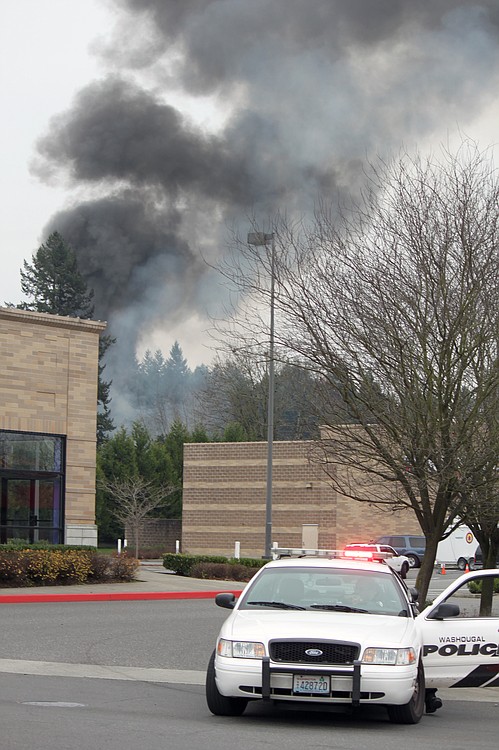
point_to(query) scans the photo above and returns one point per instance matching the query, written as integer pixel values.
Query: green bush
(249, 562)
(188, 565)
(475, 587)
(182, 564)
(227, 571)
(17, 544)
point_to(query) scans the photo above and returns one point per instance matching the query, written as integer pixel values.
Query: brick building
(224, 497)
(48, 405)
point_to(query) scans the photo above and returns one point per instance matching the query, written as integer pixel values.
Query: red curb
(98, 597)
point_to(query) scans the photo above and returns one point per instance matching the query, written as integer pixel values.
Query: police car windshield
(328, 590)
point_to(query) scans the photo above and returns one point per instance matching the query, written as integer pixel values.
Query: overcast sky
(45, 58)
(174, 116)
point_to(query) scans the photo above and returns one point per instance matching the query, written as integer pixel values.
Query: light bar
(358, 554)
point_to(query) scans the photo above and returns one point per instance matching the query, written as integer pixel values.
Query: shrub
(122, 567)
(59, 564)
(70, 566)
(41, 565)
(249, 562)
(18, 544)
(475, 587)
(213, 566)
(99, 566)
(227, 571)
(182, 564)
(12, 568)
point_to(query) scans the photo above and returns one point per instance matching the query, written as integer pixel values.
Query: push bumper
(350, 672)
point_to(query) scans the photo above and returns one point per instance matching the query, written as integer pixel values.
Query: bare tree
(392, 301)
(135, 500)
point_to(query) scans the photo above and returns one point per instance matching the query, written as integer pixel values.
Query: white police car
(377, 552)
(336, 631)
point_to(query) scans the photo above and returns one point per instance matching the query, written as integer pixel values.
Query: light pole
(259, 239)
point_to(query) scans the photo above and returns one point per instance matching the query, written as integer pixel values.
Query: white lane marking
(62, 669)
(53, 704)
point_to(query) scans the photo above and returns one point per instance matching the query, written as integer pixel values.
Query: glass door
(31, 510)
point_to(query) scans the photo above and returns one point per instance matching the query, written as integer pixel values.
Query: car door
(460, 636)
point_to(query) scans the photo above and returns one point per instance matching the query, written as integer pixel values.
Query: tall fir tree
(177, 380)
(53, 284)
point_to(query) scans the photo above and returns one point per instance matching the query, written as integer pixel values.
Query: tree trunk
(425, 572)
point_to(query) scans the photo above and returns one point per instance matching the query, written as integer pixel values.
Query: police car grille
(295, 652)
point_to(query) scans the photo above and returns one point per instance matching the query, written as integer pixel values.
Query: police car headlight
(393, 656)
(240, 649)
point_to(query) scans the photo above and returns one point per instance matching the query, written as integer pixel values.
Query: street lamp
(260, 239)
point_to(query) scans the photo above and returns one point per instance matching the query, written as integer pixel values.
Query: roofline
(54, 321)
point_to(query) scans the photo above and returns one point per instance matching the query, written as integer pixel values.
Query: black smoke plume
(308, 90)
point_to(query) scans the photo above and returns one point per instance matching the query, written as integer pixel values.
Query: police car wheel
(411, 712)
(219, 704)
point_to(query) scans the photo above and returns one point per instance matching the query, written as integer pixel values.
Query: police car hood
(365, 629)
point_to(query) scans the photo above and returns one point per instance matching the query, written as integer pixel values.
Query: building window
(32, 487)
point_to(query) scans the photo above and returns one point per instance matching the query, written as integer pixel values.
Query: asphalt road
(51, 713)
(130, 675)
(177, 634)
(438, 581)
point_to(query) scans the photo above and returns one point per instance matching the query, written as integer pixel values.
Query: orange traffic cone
(442, 569)
(467, 568)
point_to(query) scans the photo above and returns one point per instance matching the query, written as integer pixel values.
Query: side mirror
(414, 593)
(443, 611)
(226, 600)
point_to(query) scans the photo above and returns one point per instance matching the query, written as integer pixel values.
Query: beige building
(224, 499)
(48, 405)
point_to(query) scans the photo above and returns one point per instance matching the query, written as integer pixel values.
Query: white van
(458, 549)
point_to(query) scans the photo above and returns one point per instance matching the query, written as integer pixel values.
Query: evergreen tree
(131, 456)
(54, 285)
(177, 379)
(199, 434)
(105, 424)
(116, 461)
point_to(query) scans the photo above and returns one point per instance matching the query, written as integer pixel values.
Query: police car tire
(221, 705)
(411, 712)
(404, 570)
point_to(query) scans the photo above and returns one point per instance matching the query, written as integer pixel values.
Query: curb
(109, 597)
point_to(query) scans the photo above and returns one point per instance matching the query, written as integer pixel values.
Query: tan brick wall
(224, 499)
(48, 383)
(157, 533)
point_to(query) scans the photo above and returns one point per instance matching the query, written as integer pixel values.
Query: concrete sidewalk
(152, 581)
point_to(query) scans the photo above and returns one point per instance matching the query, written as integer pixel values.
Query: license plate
(311, 684)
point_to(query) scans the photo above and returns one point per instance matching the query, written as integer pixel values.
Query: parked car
(410, 545)
(341, 632)
(399, 563)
